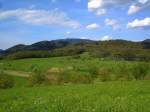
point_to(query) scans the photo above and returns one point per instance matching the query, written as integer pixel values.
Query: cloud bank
(40, 17)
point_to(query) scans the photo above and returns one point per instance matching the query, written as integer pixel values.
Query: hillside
(146, 43)
(45, 45)
(114, 49)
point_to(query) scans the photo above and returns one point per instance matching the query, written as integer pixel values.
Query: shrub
(81, 78)
(85, 56)
(93, 69)
(5, 80)
(104, 74)
(69, 76)
(37, 77)
(63, 76)
(33, 67)
(53, 79)
(123, 72)
(140, 70)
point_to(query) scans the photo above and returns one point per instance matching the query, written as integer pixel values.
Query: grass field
(131, 96)
(46, 63)
(115, 68)
(63, 62)
(110, 96)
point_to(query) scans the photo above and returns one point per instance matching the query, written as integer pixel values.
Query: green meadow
(101, 97)
(118, 93)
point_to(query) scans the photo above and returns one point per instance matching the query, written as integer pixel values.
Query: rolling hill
(45, 45)
(114, 49)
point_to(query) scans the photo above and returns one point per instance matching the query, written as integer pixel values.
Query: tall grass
(140, 70)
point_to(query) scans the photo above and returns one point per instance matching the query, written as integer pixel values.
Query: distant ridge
(146, 44)
(147, 40)
(118, 49)
(45, 45)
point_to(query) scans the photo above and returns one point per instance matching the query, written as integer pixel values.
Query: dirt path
(17, 73)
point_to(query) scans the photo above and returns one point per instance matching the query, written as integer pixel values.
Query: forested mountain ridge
(45, 45)
(114, 49)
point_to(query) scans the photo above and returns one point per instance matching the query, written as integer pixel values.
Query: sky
(29, 21)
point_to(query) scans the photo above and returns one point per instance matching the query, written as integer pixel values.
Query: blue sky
(29, 21)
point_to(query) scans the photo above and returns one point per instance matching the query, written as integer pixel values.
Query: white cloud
(143, 1)
(101, 12)
(113, 23)
(40, 17)
(92, 26)
(133, 9)
(106, 38)
(139, 23)
(95, 5)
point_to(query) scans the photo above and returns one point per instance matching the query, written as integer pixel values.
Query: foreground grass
(111, 96)
(131, 96)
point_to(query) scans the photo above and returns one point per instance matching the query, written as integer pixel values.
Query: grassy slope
(132, 96)
(102, 97)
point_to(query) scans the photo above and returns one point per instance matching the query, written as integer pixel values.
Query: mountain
(76, 41)
(16, 48)
(147, 40)
(146, 44)
(46, 45)
(113, 49)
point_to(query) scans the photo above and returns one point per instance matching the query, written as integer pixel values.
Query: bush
(33, 67)
(37, 77)
(69, 76)
(123, 72)
(93, 69)
(81, 78)
(85, 56)
(5, 80)
(140, 70)
(104, 74)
